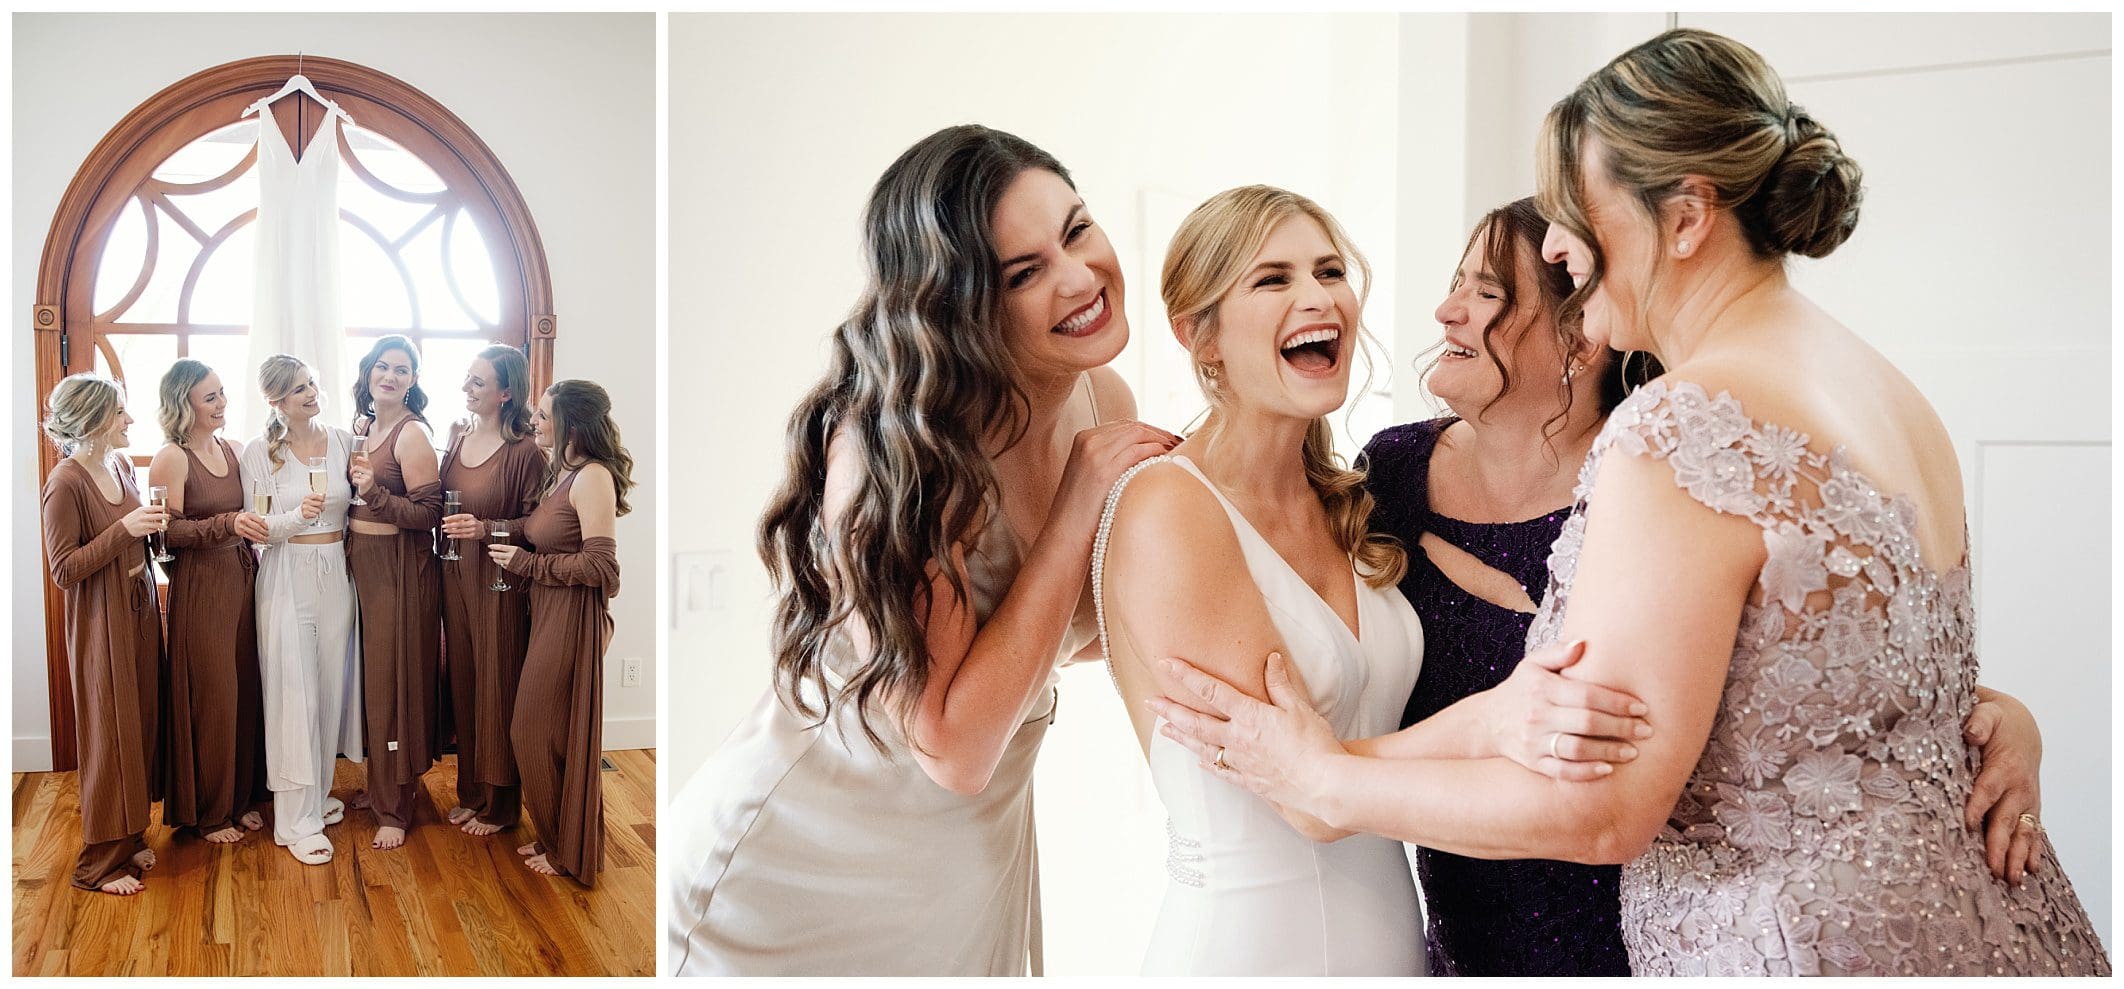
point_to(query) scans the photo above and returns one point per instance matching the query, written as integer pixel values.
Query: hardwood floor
(445, 903)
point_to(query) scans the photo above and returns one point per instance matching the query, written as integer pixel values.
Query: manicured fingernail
(1640, 710)
(1170, 665)
(1644, 730)
(1275, 655)
(1629, 751)
(1603, 768)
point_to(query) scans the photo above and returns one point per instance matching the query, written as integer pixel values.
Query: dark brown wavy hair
(364, 403)
(919, 376)
(584, 433)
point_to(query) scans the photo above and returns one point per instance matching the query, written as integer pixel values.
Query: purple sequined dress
(1526, 917)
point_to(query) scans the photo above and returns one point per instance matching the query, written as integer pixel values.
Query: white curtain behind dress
(295, 294)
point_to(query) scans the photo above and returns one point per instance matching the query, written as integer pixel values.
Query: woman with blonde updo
(216, 737)
(309, 666)
(572, 566)
(95, 541)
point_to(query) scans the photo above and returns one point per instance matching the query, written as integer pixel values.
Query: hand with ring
(1559, 727)
(1270, 749)
(2006, 797)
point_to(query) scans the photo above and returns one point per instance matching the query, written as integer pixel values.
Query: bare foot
(123, 886)
(459, 815)
(389, 837)
(539, 865)
(477, 828)
(530, 849)
(251, 821)
(144, 858)
(226, 836)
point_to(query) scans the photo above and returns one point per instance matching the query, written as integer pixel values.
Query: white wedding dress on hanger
(295, 290)
(1247, 894)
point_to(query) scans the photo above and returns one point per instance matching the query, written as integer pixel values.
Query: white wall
(1152, 114)
(567, 102)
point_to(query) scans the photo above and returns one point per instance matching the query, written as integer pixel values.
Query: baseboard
(630, 733)
(34, 754)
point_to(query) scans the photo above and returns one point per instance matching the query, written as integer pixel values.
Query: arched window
(149, 258)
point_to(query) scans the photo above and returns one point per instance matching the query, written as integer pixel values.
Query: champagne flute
(159, 497)
(361, 456)
(453, 502)
(318, 485)
(498, 535)
(261, 504)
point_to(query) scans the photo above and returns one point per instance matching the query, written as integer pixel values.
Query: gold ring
(1219, 762)
(2030, 821)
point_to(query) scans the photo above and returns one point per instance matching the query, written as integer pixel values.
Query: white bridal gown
(1245, 893)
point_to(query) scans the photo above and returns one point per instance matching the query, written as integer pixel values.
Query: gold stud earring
(1209, 371)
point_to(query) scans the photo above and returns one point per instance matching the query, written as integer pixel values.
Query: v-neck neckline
(1355, 632)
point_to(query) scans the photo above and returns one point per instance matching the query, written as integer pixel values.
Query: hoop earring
(1210, 371)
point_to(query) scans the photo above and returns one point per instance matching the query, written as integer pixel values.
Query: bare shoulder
(594, 481)
(415, 437)
(169, 462)
(1115, 400)
(1167, 514)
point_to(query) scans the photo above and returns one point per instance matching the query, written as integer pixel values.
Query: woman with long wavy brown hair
(932, 534)
(557, 726)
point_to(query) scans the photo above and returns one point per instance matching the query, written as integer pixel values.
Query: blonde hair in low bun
(1693, 103)
(80, 408)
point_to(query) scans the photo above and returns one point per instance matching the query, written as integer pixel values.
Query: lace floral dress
(1821, 831)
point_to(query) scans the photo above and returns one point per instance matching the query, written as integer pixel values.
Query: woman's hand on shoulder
(1097, 458)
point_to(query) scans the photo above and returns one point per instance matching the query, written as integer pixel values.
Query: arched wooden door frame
(62, 317)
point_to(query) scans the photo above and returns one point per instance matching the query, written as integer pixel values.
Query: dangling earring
(1572, 372)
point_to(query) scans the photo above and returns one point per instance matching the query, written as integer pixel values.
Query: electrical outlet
(631, 672)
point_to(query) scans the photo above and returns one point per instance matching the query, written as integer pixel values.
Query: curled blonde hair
(80, 407)
(175, 415)
(1210, 252)
(279, 376)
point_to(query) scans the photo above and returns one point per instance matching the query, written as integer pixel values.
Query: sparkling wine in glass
(498, 535)
(453, 502)
(261, 504)
(159, 497)
(361, 456)
(319, 484)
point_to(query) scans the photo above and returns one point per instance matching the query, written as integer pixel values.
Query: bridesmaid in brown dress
(94, 542)
(390, 550)
(214, 746)
(558, 726)
(498, 470)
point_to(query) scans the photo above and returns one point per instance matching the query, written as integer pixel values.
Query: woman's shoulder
(1111, 394)
(1161, 503)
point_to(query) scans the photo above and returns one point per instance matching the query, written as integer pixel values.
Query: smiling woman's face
(1287, 330)
(1062, 288)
